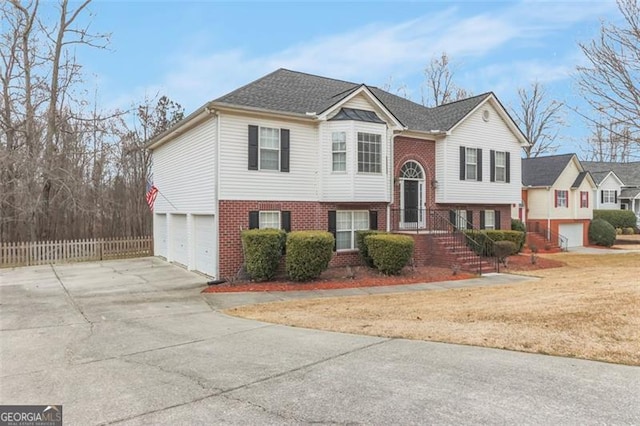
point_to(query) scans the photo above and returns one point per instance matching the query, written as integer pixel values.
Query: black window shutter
(482, 223)
(253, 147)
(284, 150)
(373, 220)
(452, 218)
(285, 218)
(254, 220)
(602, 196)
(479, 165)
(332, 226)
(470, 218)
(507, 172)
(497, 218)
(492, 162)
(615, 198)
(463, 172)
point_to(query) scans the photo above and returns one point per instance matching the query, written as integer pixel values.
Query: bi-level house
(618, 185)
(299, 151)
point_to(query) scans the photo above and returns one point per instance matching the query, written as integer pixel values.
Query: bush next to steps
(262, 252)
(308, 254)
(390, 252)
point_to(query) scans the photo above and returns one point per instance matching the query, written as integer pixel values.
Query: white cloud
(373, 52)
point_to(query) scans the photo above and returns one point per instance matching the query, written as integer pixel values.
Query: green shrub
(262, 252)
(629, 231)
(602, 233)
(618, 231)
(390, 252)
(308, 254)
(362, 245)
(484, 237)
(504, 249)
(617, 218)
(518, 225)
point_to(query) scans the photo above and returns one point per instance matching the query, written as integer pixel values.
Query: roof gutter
(240, 108)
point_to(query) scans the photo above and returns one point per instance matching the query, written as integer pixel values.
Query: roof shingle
(629, 173)
(543, 171)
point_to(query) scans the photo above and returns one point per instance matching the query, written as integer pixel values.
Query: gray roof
(295, 92)
(357, 115)
(629, 193)
(579, 179)
(629, 173)
(543, 171)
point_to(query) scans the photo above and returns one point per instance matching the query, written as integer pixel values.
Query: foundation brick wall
(305, 215)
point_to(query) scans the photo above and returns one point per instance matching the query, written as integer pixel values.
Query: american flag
(152, 193)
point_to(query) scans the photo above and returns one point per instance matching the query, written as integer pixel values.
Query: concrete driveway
(135, 342)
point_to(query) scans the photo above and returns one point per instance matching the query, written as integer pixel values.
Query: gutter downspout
(216, 200)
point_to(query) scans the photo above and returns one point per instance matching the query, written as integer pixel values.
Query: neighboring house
(298, 151)
(558, 195)
(618, 185)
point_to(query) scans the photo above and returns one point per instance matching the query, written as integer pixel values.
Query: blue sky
(196, 51)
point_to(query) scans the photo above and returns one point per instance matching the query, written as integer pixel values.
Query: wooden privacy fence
(45, 252)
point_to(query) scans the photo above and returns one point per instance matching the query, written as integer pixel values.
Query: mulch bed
(362, 276)
(334, 278)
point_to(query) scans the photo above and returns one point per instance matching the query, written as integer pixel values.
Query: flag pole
(160, 192)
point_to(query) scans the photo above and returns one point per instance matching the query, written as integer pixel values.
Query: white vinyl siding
(609, 183)
(347, 223)
(184, 171)
(299, 184)
(474, 132)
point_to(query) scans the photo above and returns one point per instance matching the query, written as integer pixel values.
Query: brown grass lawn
(587, 309)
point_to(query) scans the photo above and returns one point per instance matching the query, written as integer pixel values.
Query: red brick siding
(305, 215)
(555, 226)
(422, 152)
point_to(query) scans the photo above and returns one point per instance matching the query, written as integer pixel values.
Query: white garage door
(160, 235)
(573, 232)
(179, 239)
(204, 234)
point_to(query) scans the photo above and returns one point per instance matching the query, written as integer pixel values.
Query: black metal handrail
(459, 240)
(549, 236)
(481, 243)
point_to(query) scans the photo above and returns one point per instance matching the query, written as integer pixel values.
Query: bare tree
(439, 84)
(611, 142)
(610, 82)
(540, 118)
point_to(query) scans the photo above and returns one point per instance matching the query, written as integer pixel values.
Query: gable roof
(544, 171)
(628, 173)
(579, 179)
(300, 93)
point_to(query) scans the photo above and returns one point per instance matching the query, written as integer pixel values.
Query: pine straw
(588, 309)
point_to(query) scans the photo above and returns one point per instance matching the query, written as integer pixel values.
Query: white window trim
(461, 219)
(339, 152)
(503, 166)
(260, 226)
(492, 215)
(358, 153)
(565, 198)
(609, 196)
(260, 148)
(468, 163)
(352, 230)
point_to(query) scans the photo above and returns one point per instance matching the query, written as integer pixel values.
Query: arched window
(411, 170)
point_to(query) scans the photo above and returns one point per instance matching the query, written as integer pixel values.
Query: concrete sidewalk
(134, 342)
(220, 301)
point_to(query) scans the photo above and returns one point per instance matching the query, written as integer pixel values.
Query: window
(339, 151)
(269, 148)
(471, 164)
(458, 218)
(369, 153)
(489, 219)
(347, 223)
(269, 220)
(562, 198)
(609, 196)
(501, 166)
(584, 199)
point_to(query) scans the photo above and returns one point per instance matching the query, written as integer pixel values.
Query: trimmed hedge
(308, 254)
(518, 225)
(617, 218)
(362, 245)
(262, 252)
(602, 233)
(504, 249)
(482, 237)
(628, 231)
(390, 252)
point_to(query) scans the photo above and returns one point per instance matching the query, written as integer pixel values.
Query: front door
(411, 201)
